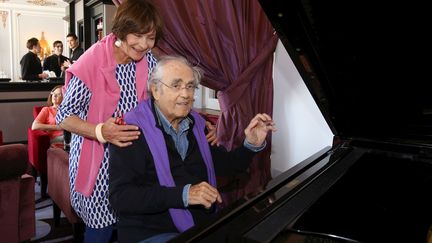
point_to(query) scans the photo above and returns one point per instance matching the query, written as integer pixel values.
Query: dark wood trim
(22, 100)
(108, 2)
(87, 28)
(72, 19)
(89, 3)
(27, 86)
(14, 142)
(93, 2)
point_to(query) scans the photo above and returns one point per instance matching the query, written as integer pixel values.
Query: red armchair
(38, 144)
(59, 190)
(17, 195)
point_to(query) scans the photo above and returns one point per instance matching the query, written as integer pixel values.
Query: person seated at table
(165, 182)
(55, 61)
(45, 120)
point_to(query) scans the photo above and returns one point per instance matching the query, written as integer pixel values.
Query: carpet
(46, 231)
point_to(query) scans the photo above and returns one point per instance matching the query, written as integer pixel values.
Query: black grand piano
(363, 62)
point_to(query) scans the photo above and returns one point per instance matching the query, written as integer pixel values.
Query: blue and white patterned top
(95, 210)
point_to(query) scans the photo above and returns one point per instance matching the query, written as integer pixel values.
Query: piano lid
(366, 63)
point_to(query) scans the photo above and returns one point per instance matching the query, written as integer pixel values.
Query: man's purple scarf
(143, 117)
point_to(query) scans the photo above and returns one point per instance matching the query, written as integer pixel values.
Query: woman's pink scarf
(96, 68)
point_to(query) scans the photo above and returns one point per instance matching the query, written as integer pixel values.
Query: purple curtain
(233, 41)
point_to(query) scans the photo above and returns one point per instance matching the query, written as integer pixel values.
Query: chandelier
(42, 2)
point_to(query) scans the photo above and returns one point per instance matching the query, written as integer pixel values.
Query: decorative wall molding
(42, 2)
(24, 5)
(4, 15)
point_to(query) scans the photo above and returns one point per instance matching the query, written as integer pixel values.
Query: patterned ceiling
(36, 3)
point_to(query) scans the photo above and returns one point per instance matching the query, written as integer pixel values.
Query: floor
(46, 232)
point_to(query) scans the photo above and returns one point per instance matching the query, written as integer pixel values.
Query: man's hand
(203, 194)
(257, 130)
(43, 75)
(67, 64)
(211, 135)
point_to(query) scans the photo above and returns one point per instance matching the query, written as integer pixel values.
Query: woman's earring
(118, 43)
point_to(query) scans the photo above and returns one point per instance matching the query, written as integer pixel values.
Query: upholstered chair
(38, 144)
(59, 190)
(17, 195)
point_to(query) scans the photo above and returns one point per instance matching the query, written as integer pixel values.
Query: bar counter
(21, 86)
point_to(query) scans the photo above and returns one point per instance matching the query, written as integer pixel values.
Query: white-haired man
(165, 182)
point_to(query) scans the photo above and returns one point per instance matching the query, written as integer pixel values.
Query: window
(206, 98)
(210, 100)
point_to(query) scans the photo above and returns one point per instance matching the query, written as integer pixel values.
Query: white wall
(23, 22)
(6, 43)
(302, 130)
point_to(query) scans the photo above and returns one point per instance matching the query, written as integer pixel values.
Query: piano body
(363, 63)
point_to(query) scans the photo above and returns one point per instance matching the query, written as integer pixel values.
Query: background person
(31, 68)
(106, 81)
(46, 118)
(55, 61)
(165, 182)
(75, 49)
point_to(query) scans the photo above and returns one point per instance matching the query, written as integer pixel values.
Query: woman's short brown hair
(137, 17)
(49, 101)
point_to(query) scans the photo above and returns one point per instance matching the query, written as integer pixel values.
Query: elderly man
(165, 182)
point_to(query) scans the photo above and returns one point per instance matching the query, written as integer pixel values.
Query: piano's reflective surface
(353, 194)
(363, 63)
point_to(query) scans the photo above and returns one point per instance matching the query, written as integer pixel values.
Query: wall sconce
(4, 15)
(45, 47)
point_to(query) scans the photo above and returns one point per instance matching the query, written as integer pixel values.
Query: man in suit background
(55, 61)
(75, 50)
(31, 68)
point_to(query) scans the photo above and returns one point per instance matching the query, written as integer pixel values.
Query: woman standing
(107, 81)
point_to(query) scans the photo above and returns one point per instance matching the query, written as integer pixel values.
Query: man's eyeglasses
(190, 87)
(59, 46)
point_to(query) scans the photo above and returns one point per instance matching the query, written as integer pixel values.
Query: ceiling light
(42, 2)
